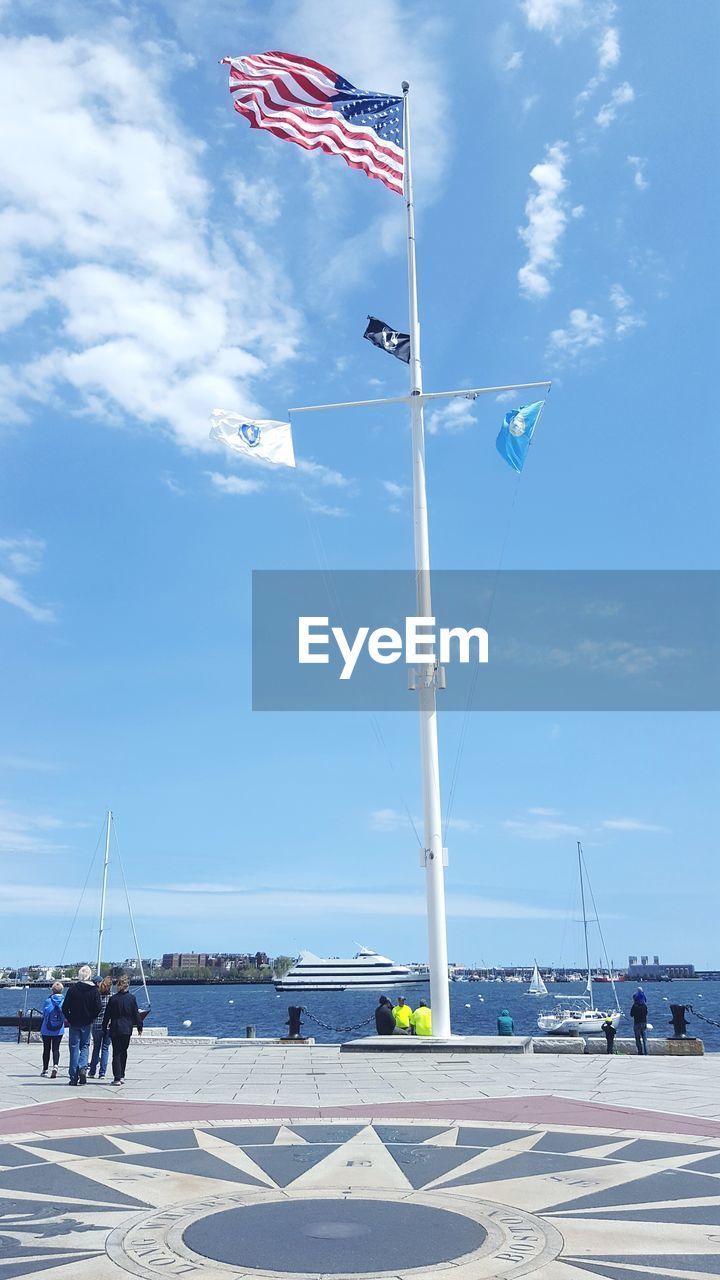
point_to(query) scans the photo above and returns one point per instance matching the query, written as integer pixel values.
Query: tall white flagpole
(426, 675)
(106, 862)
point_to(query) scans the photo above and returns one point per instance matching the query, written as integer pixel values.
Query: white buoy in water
(187, 1023)
(467, 1006)
(231, 1001)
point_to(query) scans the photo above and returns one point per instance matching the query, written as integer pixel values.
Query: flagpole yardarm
(426, 678)
(464, 393)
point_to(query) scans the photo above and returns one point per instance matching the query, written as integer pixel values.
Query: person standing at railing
(52, 1028)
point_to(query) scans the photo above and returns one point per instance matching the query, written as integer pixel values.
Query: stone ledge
(559, 1044)
(686, 1048)
(432, 1044)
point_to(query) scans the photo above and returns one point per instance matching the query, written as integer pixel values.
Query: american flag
(305, 102)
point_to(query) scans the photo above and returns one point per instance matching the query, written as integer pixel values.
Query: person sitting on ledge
(421, 1020)
(505, 1024)
(384, 1018)
(402, 1014)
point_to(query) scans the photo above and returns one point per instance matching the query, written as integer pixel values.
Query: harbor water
(228, 1010)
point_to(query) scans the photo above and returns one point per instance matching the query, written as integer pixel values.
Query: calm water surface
(227, 1010)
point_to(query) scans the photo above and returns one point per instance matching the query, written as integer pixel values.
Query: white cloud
(546, 211)
(225, 901)
(637, 164)
(540, 828)
(626, 319)
(618, 98)
(234, 484)
(22, 556)
(546, 813)
(172, 485)
(577, 211)
(261, 199)
(324, 475)
(584, 332)
(323, 508)
(394, 489)
(107, 223)
(455, 415)
(632, 824)
(609, 49)
(27, 833)
(555, 17)
(515, 61)
(529, 102)
(389, 820)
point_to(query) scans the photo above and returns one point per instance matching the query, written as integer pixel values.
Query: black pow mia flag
(381, 335)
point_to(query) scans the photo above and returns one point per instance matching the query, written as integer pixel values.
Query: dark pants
(119, 1056)
(51, 1042)
(641, 1037)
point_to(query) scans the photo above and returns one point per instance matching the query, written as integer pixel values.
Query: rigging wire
(322, 559)
(597, 921)
(462, 741)
(130, 914)
(82, 894)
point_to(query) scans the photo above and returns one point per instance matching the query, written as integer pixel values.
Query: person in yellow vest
(402, 1014)
(421, 1020)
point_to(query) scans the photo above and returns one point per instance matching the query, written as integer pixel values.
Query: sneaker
(74, 1082)
(43, 1073)
(122, 1080)
(117, 1082)
(53, 1074)
(91, 1075)
(83, 1078)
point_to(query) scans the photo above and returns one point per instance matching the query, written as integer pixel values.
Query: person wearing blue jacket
(52, 1028)
(505, 1024)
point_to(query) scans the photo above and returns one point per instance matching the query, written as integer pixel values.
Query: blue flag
(516, 433)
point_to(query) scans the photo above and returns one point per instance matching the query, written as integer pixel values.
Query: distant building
(223, 960)
(656, 970)
(185, 960)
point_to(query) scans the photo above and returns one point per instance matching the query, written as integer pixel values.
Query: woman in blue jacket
(52, 1028)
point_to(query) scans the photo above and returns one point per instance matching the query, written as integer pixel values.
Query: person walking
(384, 1018)
(638, 1013)
(100, 1042)
(402, 1014)
(421, 1020)
(121, 1015)
(81, 1006)
(52, 1028)
(505, 1024)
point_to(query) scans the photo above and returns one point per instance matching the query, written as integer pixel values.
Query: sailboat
(537, 986)
(578, 1014)
(145, 1010)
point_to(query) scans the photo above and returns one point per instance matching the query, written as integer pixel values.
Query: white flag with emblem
(253, 437)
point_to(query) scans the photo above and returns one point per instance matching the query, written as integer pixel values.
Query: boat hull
(568, 1023)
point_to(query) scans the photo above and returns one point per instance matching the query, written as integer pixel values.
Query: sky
(159, 259)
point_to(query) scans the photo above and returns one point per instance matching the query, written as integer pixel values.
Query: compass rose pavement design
(465, 1201)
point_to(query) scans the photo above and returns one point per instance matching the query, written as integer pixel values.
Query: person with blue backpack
(52, 1028)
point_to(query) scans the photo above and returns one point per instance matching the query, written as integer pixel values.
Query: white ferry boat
(365, 971)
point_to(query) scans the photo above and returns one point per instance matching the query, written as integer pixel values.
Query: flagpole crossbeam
(421, 397)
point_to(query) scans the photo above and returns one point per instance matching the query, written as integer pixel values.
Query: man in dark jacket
(638, 1013)
(384, 1018)
(121, 1015)
(81, 1006)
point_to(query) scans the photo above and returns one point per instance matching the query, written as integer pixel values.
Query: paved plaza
(257, 1160)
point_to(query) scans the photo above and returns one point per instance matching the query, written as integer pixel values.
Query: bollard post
(249, 1033)
(293, 1022)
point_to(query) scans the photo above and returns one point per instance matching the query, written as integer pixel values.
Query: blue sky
(159, 259)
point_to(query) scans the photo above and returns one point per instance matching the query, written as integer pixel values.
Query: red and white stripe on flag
(304, 102)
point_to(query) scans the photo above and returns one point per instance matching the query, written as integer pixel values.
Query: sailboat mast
(585, 923)
(426, 675)
(103, 895)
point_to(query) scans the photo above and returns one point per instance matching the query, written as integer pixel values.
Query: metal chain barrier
(701, 1016)
(327, 1026)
